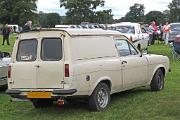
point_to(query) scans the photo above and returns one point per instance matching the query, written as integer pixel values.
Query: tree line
(20, 11)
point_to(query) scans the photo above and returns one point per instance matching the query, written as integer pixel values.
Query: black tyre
(157, 82)
(100, 97)
(42, 103)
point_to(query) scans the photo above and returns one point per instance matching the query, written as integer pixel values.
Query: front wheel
(157, 82)
(100, 98)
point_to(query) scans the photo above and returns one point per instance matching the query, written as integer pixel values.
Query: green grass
(138, 104)
(7, 48)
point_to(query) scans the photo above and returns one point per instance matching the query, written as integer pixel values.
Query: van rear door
(38, 68)
(50, 68)
(24, 70)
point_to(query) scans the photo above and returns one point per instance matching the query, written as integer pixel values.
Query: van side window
(27, 50)
(124, 48)
(51, 49)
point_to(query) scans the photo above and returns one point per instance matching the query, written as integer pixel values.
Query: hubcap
(102, 98)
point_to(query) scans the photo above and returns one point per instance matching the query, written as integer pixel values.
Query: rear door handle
(124, 62)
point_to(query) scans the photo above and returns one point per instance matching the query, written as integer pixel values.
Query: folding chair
(175, 46)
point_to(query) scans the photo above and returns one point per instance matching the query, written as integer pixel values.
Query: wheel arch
(106, 80)
(162, 67)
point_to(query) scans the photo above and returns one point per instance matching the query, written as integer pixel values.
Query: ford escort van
(55, 64)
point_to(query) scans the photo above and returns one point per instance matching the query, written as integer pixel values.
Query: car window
(27, 50)
(126, 29)
(122, 47)
(133, 50)
(51, 49)
(125, 48)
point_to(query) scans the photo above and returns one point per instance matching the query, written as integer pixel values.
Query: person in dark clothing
(5, 32)
(27, 26)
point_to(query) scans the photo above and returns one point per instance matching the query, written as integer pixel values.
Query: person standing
(166, 31)
(5, 32)
(150, 32)
(155, 32)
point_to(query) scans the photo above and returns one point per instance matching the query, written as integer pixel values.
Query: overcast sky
(119, 7)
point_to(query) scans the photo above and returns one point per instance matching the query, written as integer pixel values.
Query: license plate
(39, 95)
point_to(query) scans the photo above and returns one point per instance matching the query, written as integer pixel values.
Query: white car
(56, 64)
(174, 31)
(134, 32)
(4, 62)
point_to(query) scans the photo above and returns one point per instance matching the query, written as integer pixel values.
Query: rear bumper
(54, 93)
(64, 92)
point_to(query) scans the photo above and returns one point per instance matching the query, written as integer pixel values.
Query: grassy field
(7, 48)
(138, 104)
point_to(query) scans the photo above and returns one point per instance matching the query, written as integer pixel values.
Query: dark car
(175, 30)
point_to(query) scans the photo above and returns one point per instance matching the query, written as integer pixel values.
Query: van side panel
(91, 47)
(94, 60)
(97, 71)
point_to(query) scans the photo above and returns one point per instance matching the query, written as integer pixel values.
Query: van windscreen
(51, 49)
(27, 50)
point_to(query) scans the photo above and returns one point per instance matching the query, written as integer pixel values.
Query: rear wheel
(42, 103)
(157, 82)
(100, 98)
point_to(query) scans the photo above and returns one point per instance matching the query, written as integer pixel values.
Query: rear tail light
(9, 71)
(66, 71)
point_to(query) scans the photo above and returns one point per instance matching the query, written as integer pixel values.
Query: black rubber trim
(57, 92)
(13, 92)
(64, 92)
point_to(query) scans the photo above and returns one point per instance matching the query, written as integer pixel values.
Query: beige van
(55, 64)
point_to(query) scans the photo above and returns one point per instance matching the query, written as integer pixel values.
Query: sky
(119, 7)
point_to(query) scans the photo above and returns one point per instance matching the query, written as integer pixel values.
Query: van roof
(81, 32)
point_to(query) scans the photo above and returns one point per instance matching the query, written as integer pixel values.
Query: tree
(174, 7)
(49, 19)
(17, 11)
(104, 16)
(136, 13)
(166, 14)
(157, 16)
(80, 10)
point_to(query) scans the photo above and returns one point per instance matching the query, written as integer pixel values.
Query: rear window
(27, 50)
(51, 49)
(126, 29)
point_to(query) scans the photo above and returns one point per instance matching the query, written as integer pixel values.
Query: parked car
(134, 32)
(14, 28)
(174, 31)
(4, 62)
(56, 64)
